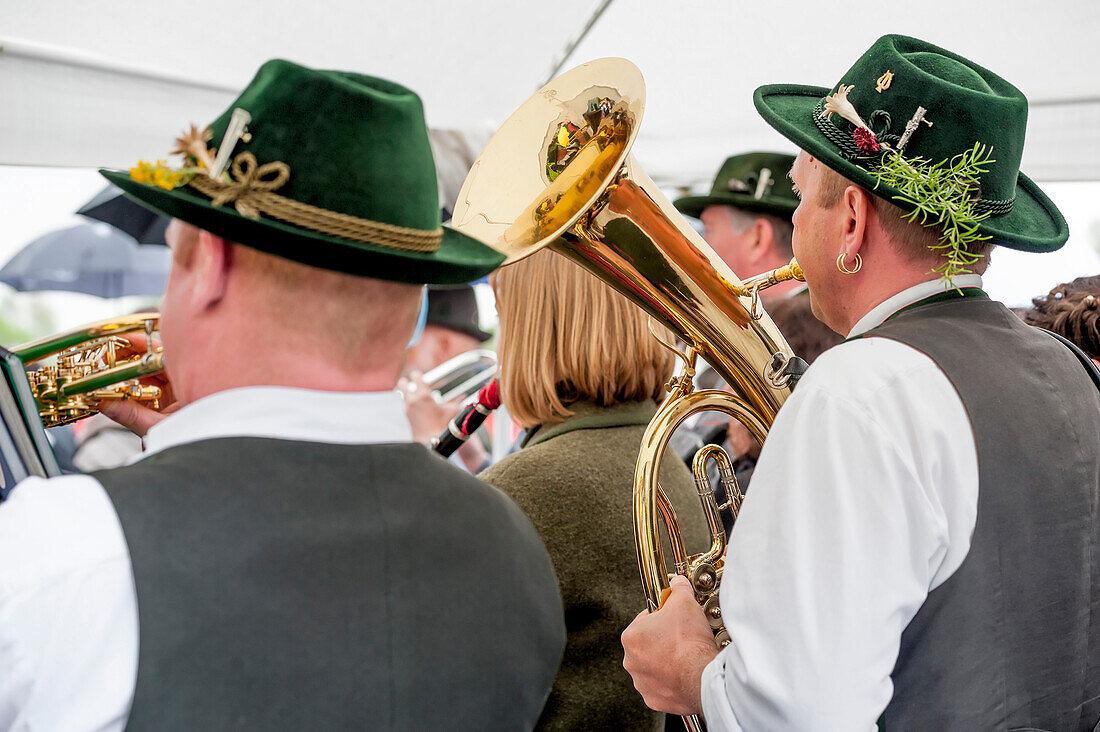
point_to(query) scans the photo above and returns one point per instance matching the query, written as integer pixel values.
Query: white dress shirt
(864, 499)
(68, 609)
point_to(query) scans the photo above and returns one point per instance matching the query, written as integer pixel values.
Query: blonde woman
(582, 373)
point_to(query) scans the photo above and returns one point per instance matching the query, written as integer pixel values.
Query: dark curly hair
(1072, 310)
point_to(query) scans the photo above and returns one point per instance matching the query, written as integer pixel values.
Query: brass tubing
(671, 415)
(675, 537)
(151, 363)
(87, 370)
(637, 243)
(35, 350)
(706, 498)
(763, 281)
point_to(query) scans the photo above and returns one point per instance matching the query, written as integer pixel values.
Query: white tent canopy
(106, 83)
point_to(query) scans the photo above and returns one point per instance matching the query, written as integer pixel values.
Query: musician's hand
(666, 652)
(134, 416)
(427, 415)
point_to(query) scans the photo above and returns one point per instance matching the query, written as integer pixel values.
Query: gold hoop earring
(845, 270)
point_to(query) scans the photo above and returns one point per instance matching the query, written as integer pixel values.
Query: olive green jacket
(574, 480)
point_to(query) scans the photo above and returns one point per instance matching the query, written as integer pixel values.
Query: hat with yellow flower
(328, 168)
(932, 132)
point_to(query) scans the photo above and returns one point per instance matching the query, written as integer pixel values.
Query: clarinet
(468, 419)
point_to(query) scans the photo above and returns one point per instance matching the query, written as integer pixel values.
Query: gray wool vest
(287, 585)
(1012, 639)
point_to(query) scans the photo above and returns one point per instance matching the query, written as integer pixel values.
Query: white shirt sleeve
(68, 611)
(864, 499)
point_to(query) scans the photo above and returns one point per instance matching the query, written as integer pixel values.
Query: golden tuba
(559, 173)
(71, 373)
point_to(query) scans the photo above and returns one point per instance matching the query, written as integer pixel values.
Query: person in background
(919, 545)
(581, 371)
(1072, 310)
(451, 328)
(747, 216)
(265, 565)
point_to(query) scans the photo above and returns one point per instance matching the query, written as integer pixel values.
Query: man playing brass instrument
(920, 546)
(283, 556)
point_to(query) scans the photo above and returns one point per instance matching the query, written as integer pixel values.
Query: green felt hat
(334, 170)
(754, 182)
(926, 103)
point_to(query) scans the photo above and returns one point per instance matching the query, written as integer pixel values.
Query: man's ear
(856, 206)
(761, 239)
(210, 263)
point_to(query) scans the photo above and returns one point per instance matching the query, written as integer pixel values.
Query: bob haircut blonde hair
(566, 337)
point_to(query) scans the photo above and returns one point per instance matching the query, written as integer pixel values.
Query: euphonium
(71, 373)
(559, 174)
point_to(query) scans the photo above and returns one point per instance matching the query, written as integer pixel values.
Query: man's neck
(874, 291)
(302, 369)
(930, 288)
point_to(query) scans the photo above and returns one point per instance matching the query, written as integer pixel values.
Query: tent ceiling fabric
(473, 63)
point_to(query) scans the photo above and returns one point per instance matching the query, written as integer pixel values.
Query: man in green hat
(920, 544)
(747, 216)
(283, 556)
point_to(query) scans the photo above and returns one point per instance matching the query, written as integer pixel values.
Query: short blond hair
(566, 337)
(910, 237)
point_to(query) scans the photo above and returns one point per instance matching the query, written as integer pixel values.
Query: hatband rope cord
(251, 191)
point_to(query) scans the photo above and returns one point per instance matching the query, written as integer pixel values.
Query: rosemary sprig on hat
(942, 195)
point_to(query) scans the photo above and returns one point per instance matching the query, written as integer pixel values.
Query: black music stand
(24, 447)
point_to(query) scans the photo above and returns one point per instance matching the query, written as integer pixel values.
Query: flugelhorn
(559, 173)
(73, 372)
(461, 376)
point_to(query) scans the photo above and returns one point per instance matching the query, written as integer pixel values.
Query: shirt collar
(878, 314)
(285, 413)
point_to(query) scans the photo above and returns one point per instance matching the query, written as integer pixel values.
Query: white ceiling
(474, 62)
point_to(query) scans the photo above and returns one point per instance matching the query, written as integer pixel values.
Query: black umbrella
(92, 258)
(111, 207)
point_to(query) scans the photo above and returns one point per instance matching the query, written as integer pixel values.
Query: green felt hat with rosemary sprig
(931, 132)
